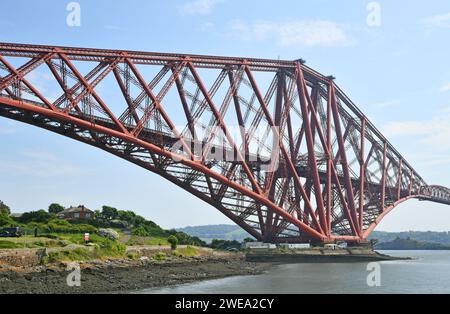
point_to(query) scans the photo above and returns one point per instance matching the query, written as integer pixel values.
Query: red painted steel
(298, 169)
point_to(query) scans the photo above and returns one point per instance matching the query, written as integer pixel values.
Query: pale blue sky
(397, 73)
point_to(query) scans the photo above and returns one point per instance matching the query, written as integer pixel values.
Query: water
(429, 272)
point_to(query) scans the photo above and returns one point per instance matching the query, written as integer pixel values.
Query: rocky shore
(124, 275)
(318, 255)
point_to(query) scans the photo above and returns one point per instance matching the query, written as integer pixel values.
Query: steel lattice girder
(306, 163)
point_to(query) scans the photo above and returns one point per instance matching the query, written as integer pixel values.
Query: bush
(110, 248)
(140, 232)
(177, 253)
(133, 256)
(63, 226)
(78, 255)
(173, 242)
(160, 256)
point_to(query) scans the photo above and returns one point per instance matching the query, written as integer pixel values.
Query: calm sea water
(428, 272)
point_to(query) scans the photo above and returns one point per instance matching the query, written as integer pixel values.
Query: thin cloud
(45, 83)
(198, 7)
(445, 88)
(386, 104)
(307, 33)
(40, 155)
(434, 132)
(437, 21)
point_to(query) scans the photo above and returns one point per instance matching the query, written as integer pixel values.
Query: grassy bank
(106, 249)
(30, 243)
(137, 240)
(112, 233)
(72, 247)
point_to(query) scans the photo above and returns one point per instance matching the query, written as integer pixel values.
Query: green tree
(55, 208)
(40, 216)
(4, 208)
(225, 245)
(110, 213)
(126, 216)
(183, 238)
(138, 220)
(5, 220)
(173, 242)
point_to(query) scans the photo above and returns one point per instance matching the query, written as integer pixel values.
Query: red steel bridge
(304, 165)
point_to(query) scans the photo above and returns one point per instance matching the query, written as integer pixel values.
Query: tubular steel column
(362, 175)
(310, 143)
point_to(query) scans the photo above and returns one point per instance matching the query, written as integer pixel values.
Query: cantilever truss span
(274, 145)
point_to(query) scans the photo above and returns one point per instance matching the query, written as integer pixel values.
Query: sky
(390, 57)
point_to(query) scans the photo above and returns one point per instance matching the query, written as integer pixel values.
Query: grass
(78, 254)
(108, 249)
(29, 242)
(157, 241)
(49, 240)
(188, 251)
(102, 247)
(8, 245)
(68, 238)
(56, 226)
(135, 240)
(120, 232)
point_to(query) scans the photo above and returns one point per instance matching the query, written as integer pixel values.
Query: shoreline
(319, 256)
(124, 275)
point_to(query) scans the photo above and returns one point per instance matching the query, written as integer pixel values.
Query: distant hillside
(409, 244)
(222, 232)
(423, 236)
(233, 232)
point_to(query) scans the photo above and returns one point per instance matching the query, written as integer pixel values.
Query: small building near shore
(331, 246)
(259, 245)
(77, 213)
(296, 246)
